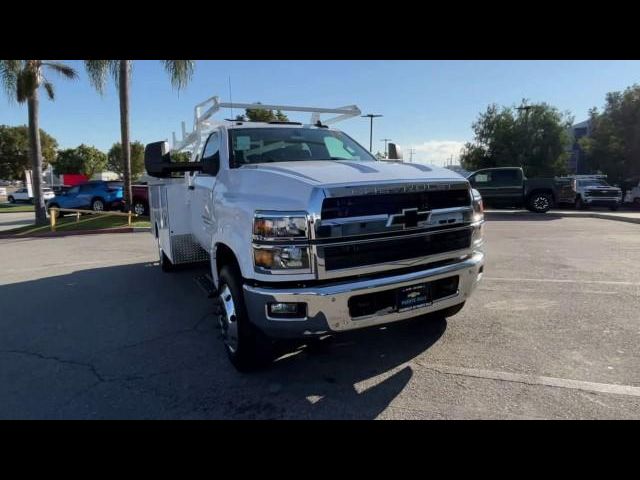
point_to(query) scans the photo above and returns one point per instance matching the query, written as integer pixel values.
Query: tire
(98, 205)
(636, 203)
(540, 202)
(247, 347)
(614, 208)
(580, 205)
(165, 264)
(140, 208)
(11, 199)
(55, 205)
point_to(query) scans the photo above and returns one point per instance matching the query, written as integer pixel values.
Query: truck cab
(306, 234)
(509, 187)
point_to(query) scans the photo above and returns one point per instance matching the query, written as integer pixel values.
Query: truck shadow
(128, 341)
(518, 216)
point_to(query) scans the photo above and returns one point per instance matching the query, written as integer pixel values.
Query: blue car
(95, 195)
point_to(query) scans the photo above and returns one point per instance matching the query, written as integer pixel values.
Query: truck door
(499, 187)
(201, 193)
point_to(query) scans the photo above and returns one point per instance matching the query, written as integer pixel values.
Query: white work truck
(306, 233)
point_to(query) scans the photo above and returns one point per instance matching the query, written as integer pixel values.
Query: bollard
(52, 219)
(129, 216)
(77, 217)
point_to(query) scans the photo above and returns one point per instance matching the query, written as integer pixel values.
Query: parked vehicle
(632, 194)
(508, 187)
(306, 233)
(95, 195)
(593, 190)
(140, 199)
(22, 195)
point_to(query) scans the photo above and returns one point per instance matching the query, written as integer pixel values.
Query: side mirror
(395, 152)
(158, 162)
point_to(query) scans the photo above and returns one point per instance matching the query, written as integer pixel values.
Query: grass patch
(11, 208)
(87, 222)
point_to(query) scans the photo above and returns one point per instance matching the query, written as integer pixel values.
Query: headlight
(478, 218)
(280, 225)
(478, 207)
(281, 257)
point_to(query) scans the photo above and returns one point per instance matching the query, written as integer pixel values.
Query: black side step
(205, 282)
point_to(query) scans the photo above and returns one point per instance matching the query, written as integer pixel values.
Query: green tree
(83, 159)
(534, 137)
(14, 151)
(22, 80)
(115, 164)
(613, 143)
(263, 115)
(179, 71)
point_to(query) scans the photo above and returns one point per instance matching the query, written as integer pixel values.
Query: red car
(140, 199)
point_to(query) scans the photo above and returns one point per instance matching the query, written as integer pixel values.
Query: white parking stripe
(560, 280)
(535, 380)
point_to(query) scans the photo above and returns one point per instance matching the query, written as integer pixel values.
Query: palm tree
(180, 72)
(22, 79)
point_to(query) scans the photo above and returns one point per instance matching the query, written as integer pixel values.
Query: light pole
(371, 116)
(385, 140)
(526, 108)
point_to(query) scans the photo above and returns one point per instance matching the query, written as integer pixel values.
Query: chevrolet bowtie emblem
(409, 218)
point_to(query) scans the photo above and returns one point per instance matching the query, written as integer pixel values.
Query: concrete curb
(601, 215)
(78, 232)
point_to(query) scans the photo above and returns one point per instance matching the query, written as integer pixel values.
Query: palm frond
(27, 82)
(99, 70)
(180, 71)
(9, 70)
(61, 68)
(48, 86)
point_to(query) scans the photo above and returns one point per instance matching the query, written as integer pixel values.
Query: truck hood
(349, 172)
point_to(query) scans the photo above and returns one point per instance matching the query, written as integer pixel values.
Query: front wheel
(11, 199)
(247, 348)
(97, 205)
(540, 202)
(580, 205)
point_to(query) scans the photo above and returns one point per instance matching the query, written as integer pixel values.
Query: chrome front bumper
(327, 306)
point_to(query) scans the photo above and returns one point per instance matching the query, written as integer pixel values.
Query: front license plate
(415, 296)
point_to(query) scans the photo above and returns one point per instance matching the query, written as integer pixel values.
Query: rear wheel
(247, 347)
(580, 205)
(540, 202)
(139, 208)
(636, 202)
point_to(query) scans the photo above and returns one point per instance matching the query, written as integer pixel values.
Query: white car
(633, 195)
(22, 195)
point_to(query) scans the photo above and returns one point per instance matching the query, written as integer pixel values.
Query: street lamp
(371, 116)
(526, 109)
(385, 140)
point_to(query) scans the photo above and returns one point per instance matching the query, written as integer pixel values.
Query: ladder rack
(203, 124)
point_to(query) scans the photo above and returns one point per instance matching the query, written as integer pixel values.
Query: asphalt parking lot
(91, 328)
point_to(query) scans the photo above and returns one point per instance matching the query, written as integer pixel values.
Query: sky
(426, 105)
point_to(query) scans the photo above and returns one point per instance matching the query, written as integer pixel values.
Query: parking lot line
(535, 380)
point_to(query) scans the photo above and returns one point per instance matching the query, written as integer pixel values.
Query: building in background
(576, 163)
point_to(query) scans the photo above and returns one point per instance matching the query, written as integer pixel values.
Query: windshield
(261, 145)
(593, 183)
